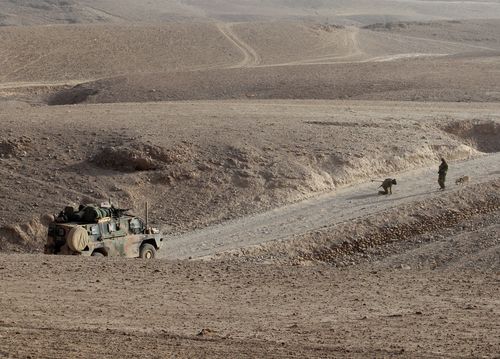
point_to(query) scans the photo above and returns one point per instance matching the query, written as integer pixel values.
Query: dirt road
(332, 208)
(250, 56)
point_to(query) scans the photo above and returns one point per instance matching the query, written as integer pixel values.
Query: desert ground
(259, 133)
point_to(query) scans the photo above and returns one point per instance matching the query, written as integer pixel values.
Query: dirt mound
(479, 134)
(140, 157)
(27, 237)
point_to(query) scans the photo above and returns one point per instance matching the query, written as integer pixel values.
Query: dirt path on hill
(250, 57)
(355, 54)
(325, 210)
(351, 42)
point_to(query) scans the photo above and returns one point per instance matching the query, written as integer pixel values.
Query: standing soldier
(443, 169)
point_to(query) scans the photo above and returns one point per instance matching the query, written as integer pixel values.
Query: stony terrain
(258, 132)
(229, 309)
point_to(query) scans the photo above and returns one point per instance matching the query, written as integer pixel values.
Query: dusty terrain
(273, 60)
(414, 275)
(254, 130)
(79, 308)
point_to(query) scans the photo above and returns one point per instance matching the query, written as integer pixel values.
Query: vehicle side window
(94, 230)
(135, 226)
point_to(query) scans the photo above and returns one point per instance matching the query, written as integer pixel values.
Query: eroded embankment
(479, 134)
(27, 237)
(359, 240)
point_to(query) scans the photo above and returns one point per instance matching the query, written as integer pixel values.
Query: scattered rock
(206, 332)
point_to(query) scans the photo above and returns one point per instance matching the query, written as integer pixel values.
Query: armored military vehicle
(103, 230)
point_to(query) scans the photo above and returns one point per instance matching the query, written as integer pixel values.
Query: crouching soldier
(387, 186)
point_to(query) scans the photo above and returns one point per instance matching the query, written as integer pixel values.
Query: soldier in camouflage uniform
(443, 169)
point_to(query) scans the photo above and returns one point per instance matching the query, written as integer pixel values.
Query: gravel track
(325, 210)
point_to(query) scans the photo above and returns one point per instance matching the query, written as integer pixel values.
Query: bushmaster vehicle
(102, 231)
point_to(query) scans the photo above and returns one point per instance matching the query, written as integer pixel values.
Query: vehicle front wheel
(97, 254)
(147, 251)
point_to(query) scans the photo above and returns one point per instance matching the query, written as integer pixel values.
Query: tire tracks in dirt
(351, 43)
(355, 53)
(250, 57)
(344, 205)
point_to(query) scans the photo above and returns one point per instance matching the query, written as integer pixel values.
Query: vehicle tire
(147, 251)
(97, 254)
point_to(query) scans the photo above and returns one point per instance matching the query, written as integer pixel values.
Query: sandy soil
(192, 61)
(76, 308)
(264, 185)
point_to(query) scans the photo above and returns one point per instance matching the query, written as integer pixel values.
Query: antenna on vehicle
(147, 215)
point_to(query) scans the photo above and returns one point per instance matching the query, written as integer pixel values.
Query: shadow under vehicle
(102, 231)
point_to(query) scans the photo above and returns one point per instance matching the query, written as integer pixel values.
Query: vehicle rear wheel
(147, 251)
(97, 254)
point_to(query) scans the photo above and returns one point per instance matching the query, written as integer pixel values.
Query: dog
(462, 180)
